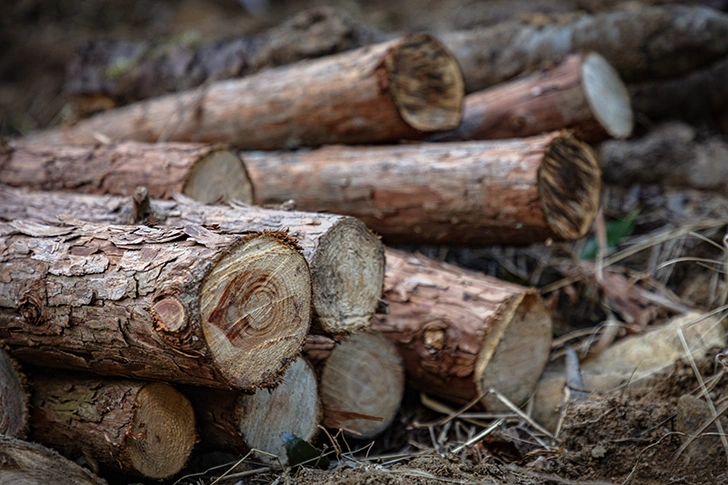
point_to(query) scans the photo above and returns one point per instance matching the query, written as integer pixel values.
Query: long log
(13, 398)
(504, 192)
(185, 305)
(239, 423)
(583, 93)
(207, 173)
(379, 93)
(345, 259)
(461, 334)
(361, 382)
(140, 428)
(32, 464)
(654, 42)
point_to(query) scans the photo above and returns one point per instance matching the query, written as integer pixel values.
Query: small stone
(598, 451)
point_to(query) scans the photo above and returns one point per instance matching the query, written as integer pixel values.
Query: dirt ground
(619, 437)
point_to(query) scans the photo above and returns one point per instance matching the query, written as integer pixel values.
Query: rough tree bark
(139, 428)
(378, 93)
(32, 464)
(361, 382)
(185, 305)
(505, 192)
(13, 398)
(461, 334)
(240, 423)
(345, 259)
(582, 93)
(206, 173)
(646, 43)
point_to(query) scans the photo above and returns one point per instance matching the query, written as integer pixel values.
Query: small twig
(479, 436)
(509, 404)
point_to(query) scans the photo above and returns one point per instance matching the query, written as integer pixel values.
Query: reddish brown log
(461, 333)
(583, 93)
(184, 305)
(206, 173)
(379, 93)
(507, 192)
(136, 427)
(13, 398)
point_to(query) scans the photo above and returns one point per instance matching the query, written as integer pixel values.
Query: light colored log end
(426, 83)
(255, 306)
(607, 96)
(569, 185)
(347, 276)
(13, 398)
(162, 433)
(218, 177)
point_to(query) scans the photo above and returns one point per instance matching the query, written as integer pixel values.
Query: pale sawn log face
(13, 398)
(153, 302)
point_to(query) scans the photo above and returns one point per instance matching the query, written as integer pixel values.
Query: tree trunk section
(206, 173)
(375, 94)
(461, 334)
(136, 427)
(345, 259)
(583, 93)
(183, 305)
(32, 464)
(13, 398)
(648, 43)
(240, 423)
(361, 382)
(507, 192)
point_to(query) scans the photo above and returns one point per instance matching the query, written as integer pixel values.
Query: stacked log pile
(134, 248)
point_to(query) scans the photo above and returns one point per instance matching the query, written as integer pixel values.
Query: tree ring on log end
(255, 306)
(515, 351)
(347, 274)
(218, 177)
(425, 83)
(13, 398)
(162, 432)
(569, 185)
(607, 96)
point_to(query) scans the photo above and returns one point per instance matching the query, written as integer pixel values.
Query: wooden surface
(13, 398)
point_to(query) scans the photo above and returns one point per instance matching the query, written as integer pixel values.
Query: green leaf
(301, 452)
(616, 231)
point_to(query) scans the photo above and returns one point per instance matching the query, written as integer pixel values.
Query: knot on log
(169, 316)
(33, 302)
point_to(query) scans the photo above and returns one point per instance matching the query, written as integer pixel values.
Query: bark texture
(136, 427)
(206, 173)
(32, 464)
(361, 381)
(185, 305)
(240, 423)
(461, 334)
(507, 192)
(583, 93)
(653, 42)
(345, 259)
(378, 93)
(13, 398)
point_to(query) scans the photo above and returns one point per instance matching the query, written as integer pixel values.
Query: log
(140, 428)
(582, 93)
(207, 173)
(505, 192)
(239, 423)
(361, 382)
(13, 398)
(461, 333)
(184, 305)
(130, 71)
(379, 93)
(671, 155)
(345, 259)
(648, 43)
(32, 464)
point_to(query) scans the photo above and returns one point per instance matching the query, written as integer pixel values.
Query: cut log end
(363, 377)
(13, 398)
(218, 177)
(426, 84)
(515, 352)
(569, 183)
(347, 274)
(162, 433)
(607, 95)
(255, 307)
